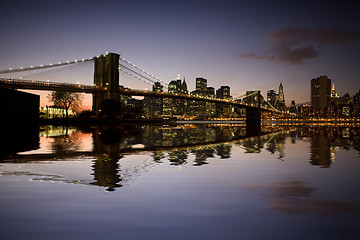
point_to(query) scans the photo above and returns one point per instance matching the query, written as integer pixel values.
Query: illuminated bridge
(101, 77)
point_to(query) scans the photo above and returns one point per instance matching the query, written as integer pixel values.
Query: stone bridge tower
(106, 74)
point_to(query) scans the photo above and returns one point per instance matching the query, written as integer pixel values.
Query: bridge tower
(253, 118)
(106, 74)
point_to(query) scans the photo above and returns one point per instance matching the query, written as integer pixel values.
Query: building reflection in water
(175, 143)
(106, 172)
(325, 141)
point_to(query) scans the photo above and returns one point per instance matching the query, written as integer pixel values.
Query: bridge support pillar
(253, 119)
(106, 75)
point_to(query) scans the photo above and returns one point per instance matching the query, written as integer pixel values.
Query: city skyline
(247, 46)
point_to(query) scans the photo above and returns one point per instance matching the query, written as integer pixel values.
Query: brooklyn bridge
(106, 83)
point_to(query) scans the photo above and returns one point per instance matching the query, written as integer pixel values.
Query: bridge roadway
(52, 86)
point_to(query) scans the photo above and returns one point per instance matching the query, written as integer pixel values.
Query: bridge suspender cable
(142, 71)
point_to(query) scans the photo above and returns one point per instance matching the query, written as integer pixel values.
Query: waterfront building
(224, 110)
(54, 112)
(223, 92)
(292, 107)
(320, 94)
(153, 106)
(174, 106)
(201, 84)
(333, 92)
(271, 97)
(210, 107)
(18, 106)
(356, 101)
(158, 87)
(305, 111)
(281, 100)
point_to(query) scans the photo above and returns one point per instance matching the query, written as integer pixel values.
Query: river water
(180, 182)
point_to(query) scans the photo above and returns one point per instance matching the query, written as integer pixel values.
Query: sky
(247, 45)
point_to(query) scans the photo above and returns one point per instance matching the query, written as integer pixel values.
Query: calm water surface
(182, 182)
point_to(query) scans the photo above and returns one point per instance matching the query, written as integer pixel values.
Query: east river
(180, 182)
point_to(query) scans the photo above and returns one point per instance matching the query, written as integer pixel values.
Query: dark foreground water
(183, 182)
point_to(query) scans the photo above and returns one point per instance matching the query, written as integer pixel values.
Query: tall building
(175, 106)
(320, 93)
(271, 97)
(357, 100)
(153, 106)
(292, 107)
(357, 104)
(281, 95)
(178, 86)
(157, 87)
(172, 87)
(223, 92)
(201, 84)
(333, 92)
(210, 91)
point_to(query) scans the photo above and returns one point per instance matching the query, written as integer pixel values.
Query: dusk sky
(244, 44)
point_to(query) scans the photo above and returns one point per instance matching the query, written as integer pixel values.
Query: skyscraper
(320, 93)
(201, 85)
(292, 107)
(271, 97)
(281, 95)
(333, 92)
(223, 92)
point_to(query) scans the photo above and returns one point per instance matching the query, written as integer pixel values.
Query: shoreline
(105, 121)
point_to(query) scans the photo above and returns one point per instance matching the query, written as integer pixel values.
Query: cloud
(253, 56)
(294, 45)
(296, 55)
(294, 197)
(331, 36)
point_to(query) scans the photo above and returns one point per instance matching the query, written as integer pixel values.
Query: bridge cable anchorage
(142, 71)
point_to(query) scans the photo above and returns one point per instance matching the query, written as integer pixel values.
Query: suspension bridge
(101, 77)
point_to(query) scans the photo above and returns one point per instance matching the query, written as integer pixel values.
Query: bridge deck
(52, 86)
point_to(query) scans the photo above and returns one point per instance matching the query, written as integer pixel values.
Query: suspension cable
(141, 70)
(31, 68)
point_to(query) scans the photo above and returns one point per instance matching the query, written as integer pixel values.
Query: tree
(64, 98)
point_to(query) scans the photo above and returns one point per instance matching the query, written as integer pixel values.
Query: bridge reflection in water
(175, 144)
